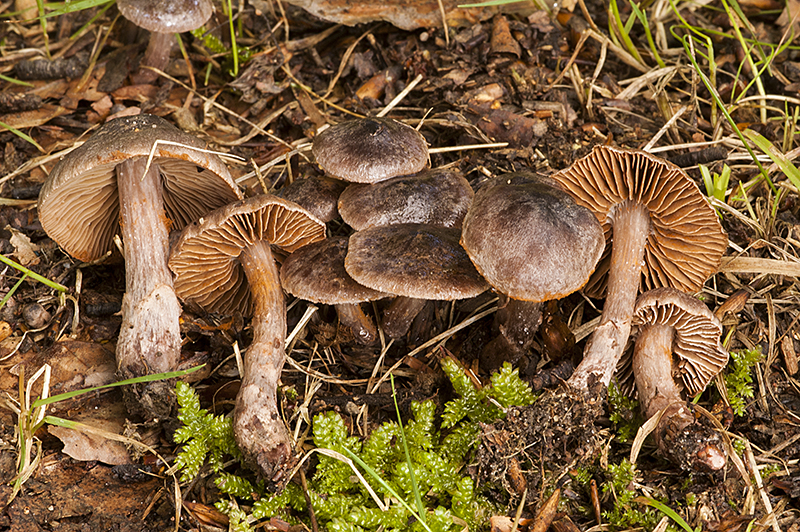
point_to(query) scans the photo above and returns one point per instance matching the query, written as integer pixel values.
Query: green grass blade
(666, 510)
(385, 486)
(414, 485)
(22, 135)
(33, 275)
(135, 380)
(775, 154)
(15, 81)
(13, 289)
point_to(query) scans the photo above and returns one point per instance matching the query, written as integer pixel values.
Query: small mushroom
(439, 197)
(368, 150)
(533, 243)
(101, 188)
(316, 273)
(319, 195)
(419, 262)
(163, 20)
(676, 352)
(664, 234)
(224, 263)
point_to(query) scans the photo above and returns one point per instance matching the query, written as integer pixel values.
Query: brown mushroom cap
(173, 16)
(529, 238)
(697, 354)
(205, 258)
(319, 195)
(414, 260)
(686, 241)
(316, 273)
(79, 205)
(368, 150)
(439, 197)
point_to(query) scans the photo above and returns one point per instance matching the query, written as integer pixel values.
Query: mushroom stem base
(257, 424)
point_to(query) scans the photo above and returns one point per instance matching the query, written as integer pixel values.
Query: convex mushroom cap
(316, 273)
(420, 261)
(529, 239)
(368, 150)
(174, 16)
(439, 197)
(319, 195)
(79, 202)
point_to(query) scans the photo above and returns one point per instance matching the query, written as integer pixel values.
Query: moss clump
(432, 471)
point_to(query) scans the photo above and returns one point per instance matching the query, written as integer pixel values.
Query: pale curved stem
(157, 56)
(604, 348)
(149, 339)
(257, 424)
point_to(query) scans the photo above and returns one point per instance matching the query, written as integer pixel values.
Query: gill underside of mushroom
(149, 340)
(678, 435)
(257, 425)
(631, 226)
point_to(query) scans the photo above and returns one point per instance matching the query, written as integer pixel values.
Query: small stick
(397, 99)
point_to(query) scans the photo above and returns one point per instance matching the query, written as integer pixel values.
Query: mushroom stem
(156, 56)
(353, 317)
(149, 339)
(397, 317)
(257, 425)
(677, 434)
(631, 226)
(515, 323)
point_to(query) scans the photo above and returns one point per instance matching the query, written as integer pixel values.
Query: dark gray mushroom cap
(79, 204)
(204, 260)
(686, 241)
(698, 355)
(319, 195)
(170, 16)
(439, 197)
(369, 150)
(316, 273)
(530, 239)
(414, 260)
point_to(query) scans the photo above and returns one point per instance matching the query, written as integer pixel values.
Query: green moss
(438, 449)
(739, 378)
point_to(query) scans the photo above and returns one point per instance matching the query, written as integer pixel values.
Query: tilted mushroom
(224, 262)
(533, 243)
(418, 261)
(101, 188)
(676, 353)
(163, 20)
(436, 196)
(368, 150)
(316, 273)
(665, 233)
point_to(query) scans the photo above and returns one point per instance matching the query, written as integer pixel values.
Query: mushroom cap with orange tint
(698, 355)
(686, 241)
(204, 260)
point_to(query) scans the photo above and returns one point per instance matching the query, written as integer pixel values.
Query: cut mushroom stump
(676, 354)
(665, 233)
(182, 184)
(224, 263)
